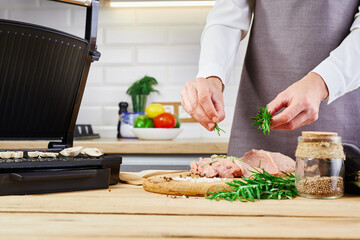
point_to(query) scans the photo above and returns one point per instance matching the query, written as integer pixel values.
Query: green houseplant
(139, 91)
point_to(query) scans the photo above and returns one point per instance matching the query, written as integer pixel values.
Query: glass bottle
(320, 165)
(122, 109)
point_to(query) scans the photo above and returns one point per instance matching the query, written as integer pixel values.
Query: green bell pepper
(178, 123)
(149, 123)
(143, 121)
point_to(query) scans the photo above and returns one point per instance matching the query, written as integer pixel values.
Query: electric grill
(43, 74)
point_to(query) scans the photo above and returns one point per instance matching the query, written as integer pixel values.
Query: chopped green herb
(215, 157)
(218, 129)
(261, 185)
(263, 119)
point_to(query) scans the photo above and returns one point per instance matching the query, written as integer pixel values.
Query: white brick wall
(160, 42)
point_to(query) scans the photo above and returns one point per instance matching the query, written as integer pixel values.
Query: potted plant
(139, 91)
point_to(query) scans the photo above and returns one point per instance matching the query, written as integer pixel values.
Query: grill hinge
(95, 55)
(57, 146)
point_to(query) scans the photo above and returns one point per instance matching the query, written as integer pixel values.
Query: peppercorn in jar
(320, 165)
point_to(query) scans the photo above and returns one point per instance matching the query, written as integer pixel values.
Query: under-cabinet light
(161, 3)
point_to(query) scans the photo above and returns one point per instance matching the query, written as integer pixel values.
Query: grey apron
(288, 39)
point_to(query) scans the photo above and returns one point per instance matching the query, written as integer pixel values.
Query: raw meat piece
(246, 168)
(205, 168)
(283, 162)
(194, 167)
(261, 159)
(227, 168)
(230, 167)
(216, 166)
(71, 152)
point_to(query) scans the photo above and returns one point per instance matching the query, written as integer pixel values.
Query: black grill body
(43, 73)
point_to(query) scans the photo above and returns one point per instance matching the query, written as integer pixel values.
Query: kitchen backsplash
(159, 42)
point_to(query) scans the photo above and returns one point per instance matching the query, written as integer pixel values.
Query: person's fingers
(219, 105)
(287, 115)
(300, 120)
(205, 99)
(304, 118)
(190, 104)
(278, 103)
(199, 115)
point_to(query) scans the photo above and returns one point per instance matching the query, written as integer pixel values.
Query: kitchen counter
(126, 211)
(135, 146)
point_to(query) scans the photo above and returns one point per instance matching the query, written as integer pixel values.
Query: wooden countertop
(135, 146)
(128, 212)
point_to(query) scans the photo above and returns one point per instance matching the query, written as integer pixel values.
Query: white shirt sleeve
(227, 23)
(341, 70)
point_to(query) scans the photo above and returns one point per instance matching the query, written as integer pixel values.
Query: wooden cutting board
(164, 185)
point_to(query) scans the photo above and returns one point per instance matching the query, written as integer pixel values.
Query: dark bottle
(123, 108)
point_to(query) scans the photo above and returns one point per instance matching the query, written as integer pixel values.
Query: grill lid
(42, 78)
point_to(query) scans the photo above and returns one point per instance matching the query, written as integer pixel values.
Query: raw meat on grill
(48, 154)
(71, 152)
(11, 154)
(34, 154)
(92, 152)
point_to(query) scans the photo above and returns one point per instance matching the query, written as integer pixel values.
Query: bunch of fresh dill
(144, 86)
(261, 185)
(263, 119)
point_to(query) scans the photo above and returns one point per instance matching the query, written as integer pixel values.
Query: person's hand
(301, 102)
(203, 100)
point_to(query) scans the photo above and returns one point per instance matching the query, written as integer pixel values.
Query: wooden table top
(128, 212)
(136, 146)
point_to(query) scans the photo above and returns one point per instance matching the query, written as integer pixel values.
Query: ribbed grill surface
(40, 72)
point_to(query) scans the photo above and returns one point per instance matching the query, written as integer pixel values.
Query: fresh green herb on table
(263, 119)
(261, 185)
(218, 129)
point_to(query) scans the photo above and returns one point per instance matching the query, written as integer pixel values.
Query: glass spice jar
(320, 165)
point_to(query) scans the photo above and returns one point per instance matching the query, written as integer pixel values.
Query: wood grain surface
(136, 146)
(99, 226)
(128, 212)
(129, 199)
(164, 184)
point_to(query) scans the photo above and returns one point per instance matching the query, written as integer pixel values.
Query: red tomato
(165, 120)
